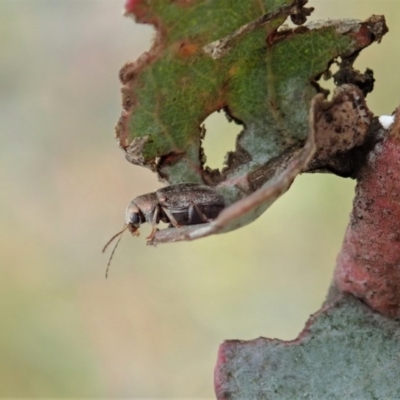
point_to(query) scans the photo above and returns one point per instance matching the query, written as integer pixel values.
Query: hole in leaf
(326, 81)
(220, 138)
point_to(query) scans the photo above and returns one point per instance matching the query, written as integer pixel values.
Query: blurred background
(152, 329)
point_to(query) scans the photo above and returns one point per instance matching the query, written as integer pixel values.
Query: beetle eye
(134, 218)
(133, 215)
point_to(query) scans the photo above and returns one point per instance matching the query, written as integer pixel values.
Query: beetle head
(133, 217)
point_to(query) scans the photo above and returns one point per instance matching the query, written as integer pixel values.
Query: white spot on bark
(386, 120)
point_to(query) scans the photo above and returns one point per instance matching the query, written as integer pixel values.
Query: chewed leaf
(264, 78)
(216, 55)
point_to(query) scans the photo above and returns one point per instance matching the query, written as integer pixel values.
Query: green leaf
(213, 55)
(265, 80)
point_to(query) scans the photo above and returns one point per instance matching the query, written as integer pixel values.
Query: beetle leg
(194, 208)
(171, 218)
(154, 224)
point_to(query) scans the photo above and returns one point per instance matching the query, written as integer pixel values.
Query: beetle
(179, 205)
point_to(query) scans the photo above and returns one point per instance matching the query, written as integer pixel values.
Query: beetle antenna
(115, 236)
(115, 247)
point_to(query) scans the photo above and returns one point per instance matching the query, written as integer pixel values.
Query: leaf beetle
(179, 205)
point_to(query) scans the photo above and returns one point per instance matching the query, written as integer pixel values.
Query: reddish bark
(368, 265)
